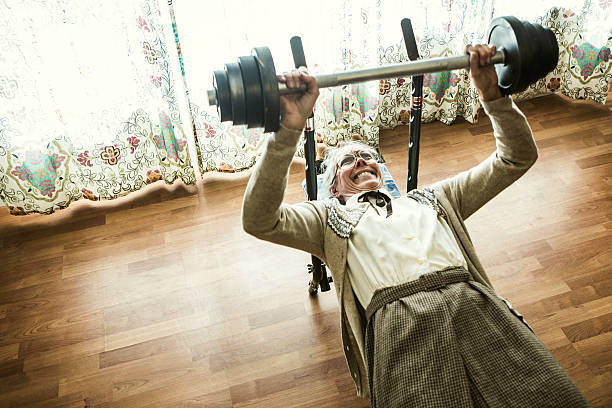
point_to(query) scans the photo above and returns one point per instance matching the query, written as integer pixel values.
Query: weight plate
(236, 86)
(252, 91)
(508, 33)
(269, 86)
(549, 50)
(543, 53)
(224, 105)
(234, 77)
(531, 51)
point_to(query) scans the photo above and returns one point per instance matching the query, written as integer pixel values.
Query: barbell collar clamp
(212, 97)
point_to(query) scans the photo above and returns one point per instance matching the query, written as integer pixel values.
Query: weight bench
(312, 181)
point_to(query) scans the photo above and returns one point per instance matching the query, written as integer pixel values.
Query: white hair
(329, 166)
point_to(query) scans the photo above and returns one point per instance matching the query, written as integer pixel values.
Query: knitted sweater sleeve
(265, 216)
(515, 153)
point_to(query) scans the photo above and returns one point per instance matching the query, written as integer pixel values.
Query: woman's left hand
(482, 72)
(296, 107)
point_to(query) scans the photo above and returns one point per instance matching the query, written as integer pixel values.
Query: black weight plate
(236, 86)
(549, 50)
(533, 53)
(224, 105)
(269, 86)
(553, 61)
(508, 33)
(252, 91)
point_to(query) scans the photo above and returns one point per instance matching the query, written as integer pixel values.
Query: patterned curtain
(351, 109)
(585, 40)
(444, 27)
(88, 104)
(91, 106)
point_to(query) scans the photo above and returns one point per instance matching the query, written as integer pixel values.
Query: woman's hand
(483, 76)
(297, 107)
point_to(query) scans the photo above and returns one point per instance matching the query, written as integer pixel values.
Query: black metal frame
(317, 268)
(416, 104)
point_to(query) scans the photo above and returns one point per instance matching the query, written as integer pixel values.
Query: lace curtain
(88, 102)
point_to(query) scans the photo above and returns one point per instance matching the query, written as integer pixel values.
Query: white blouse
(388, 251)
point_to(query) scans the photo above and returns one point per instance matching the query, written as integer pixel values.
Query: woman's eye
(346, 160)
(366, 156)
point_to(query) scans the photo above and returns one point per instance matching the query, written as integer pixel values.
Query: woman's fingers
(294, 78)
(311, 83)
(290, 80)
(482, 73)
(492, 51)
(474, 67)
(483, 54)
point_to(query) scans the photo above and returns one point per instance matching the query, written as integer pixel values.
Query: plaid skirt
(445, 340)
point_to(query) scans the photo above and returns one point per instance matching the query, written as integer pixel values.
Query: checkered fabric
(445, 340)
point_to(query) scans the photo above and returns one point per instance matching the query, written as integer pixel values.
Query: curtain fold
(88, 102)
(346, 110)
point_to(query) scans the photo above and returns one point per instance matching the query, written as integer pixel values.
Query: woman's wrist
(294, 123)
(490, 94)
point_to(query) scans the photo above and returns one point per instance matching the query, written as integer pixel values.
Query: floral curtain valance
(88, 102)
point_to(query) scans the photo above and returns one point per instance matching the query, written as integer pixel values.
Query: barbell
(248, 92)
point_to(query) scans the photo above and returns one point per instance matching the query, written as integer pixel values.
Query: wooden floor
(159, 299)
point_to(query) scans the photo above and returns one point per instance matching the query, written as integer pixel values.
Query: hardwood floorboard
(159, 299)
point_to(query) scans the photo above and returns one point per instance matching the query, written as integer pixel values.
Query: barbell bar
(248, 92)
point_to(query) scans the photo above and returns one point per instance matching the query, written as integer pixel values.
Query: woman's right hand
(482, 73)
(297, 107)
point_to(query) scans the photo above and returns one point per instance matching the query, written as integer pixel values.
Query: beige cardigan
(321, 227)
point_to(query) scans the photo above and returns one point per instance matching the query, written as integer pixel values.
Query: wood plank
(589, 328)
(596, 352)
(137, 351)
(32, 393)
(32, 274)
(9, 352)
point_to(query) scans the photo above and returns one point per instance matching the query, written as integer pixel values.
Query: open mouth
(363, 174)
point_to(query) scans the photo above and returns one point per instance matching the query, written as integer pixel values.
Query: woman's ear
(334, 191)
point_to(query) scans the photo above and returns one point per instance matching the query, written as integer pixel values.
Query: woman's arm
(515, 152)
(264, 215)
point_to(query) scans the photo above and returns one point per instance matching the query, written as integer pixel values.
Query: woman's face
(356, 171)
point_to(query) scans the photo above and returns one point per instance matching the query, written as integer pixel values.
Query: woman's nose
(359, 161)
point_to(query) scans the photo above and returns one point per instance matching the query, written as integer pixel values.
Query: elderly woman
(421, 323)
